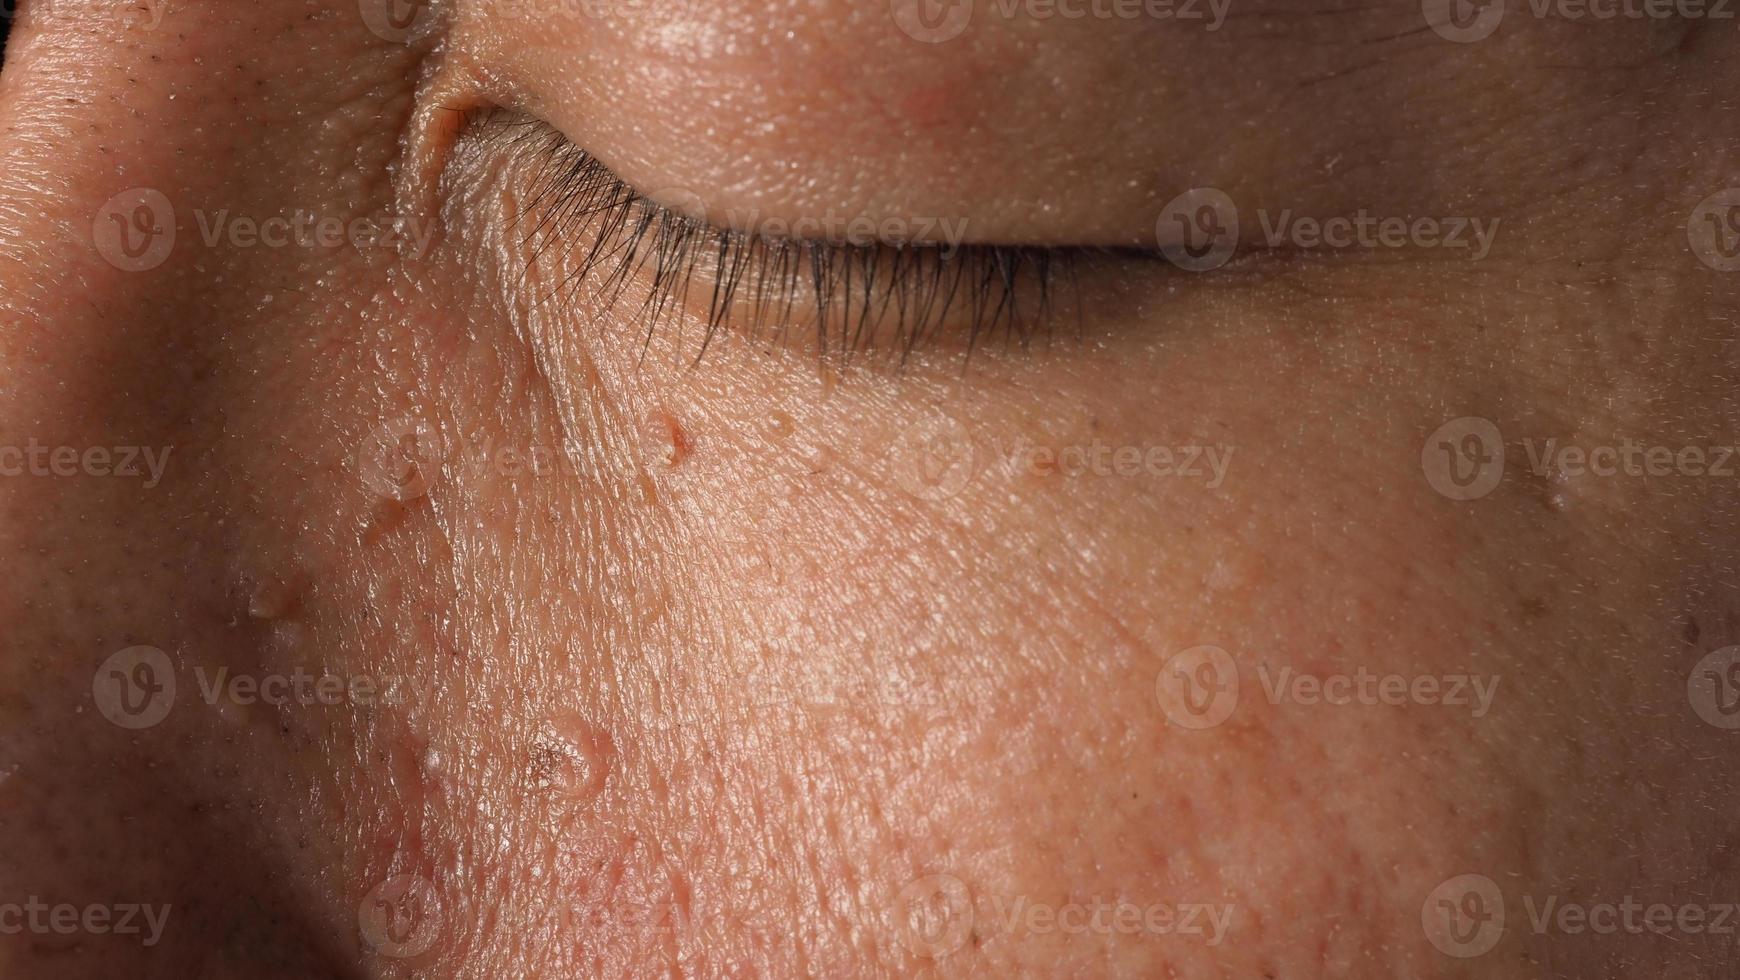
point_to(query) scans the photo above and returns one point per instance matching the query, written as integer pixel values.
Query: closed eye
(844, 297)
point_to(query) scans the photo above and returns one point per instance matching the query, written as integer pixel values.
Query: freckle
(1693, 630)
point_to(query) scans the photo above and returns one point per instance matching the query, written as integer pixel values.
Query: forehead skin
(721, 695)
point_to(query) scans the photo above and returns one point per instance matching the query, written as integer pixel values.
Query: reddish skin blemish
(677, 440)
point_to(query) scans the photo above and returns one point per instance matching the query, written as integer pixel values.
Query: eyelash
(860, 295)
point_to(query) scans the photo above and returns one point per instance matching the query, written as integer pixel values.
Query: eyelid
(843, 298)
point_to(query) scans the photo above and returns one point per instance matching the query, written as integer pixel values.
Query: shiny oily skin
(715, 695)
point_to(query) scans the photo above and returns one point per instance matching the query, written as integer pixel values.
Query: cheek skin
(1011, 633)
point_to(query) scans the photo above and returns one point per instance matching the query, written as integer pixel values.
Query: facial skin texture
(706, 676)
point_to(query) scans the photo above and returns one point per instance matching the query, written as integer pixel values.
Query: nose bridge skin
(141, 148)
(135, 138)
(103, 154)
(99, 313)
(165, 173)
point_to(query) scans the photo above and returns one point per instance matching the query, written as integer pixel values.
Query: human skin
(736, 688)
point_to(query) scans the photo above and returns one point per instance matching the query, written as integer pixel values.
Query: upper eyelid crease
(847, 298)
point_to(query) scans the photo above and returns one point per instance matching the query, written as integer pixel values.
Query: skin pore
(508, 640)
